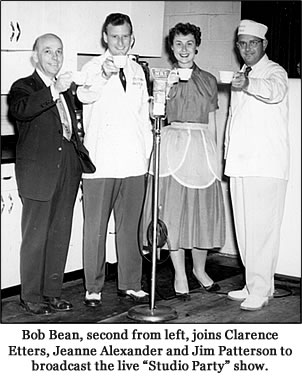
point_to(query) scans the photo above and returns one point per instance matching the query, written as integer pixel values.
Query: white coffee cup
(79, 77)
(120, 61)
(226, 77)
(184, 73)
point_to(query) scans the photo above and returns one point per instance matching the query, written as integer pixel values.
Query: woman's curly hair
(185, 29)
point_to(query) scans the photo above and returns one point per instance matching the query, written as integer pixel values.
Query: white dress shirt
(118, 130)
(257, 142)
(55, 94)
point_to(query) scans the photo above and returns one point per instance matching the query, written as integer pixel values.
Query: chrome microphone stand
(154, 313)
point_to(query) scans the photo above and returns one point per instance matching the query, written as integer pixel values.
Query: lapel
(69, 102)
(68, 96)
(71, 108)
(39, 85)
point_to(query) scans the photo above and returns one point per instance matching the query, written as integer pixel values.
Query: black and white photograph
(150, 190)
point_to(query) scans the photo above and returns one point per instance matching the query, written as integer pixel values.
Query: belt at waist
(197, 126)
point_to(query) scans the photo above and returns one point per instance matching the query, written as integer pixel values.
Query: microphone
(160, 77)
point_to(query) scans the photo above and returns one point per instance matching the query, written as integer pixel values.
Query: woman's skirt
(195, 218)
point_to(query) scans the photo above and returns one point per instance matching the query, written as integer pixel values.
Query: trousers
(46, 229)
(125, 197)
(258, 207)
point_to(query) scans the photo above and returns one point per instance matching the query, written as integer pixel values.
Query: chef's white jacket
(256, 140)
(118, 130)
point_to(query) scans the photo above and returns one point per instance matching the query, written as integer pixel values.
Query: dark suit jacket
(39, 145)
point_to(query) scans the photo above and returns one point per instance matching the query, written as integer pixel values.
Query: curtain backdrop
(283, 19)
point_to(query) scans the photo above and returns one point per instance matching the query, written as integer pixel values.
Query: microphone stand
(154, 313)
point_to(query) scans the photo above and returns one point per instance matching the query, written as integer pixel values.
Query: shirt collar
(264, 59)
(48, 82)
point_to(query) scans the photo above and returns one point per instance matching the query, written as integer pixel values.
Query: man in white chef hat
(257, 162)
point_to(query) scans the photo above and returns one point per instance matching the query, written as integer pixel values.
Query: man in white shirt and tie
(118, 133)
(257, 162)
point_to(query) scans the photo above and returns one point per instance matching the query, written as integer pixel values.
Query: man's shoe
(137, 296)
(57, 304)
(254, 303)
(239, 295)
(93, 299)
(36, 308)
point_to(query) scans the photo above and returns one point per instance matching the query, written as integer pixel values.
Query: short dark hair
(185, 29)
(117, 19)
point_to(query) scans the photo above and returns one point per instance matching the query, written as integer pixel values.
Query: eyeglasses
(250, 44)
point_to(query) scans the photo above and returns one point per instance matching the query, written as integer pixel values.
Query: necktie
(64, 120)
(122, 78)
(247, 71)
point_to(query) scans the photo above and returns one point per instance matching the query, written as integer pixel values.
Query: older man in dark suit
(50, 159)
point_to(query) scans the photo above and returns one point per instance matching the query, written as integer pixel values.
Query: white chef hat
(250, 27)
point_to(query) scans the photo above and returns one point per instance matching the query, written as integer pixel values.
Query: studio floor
(204, 307)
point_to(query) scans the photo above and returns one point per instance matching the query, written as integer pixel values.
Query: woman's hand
(173, 77)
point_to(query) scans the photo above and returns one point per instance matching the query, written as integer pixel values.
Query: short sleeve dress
(190, 196)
